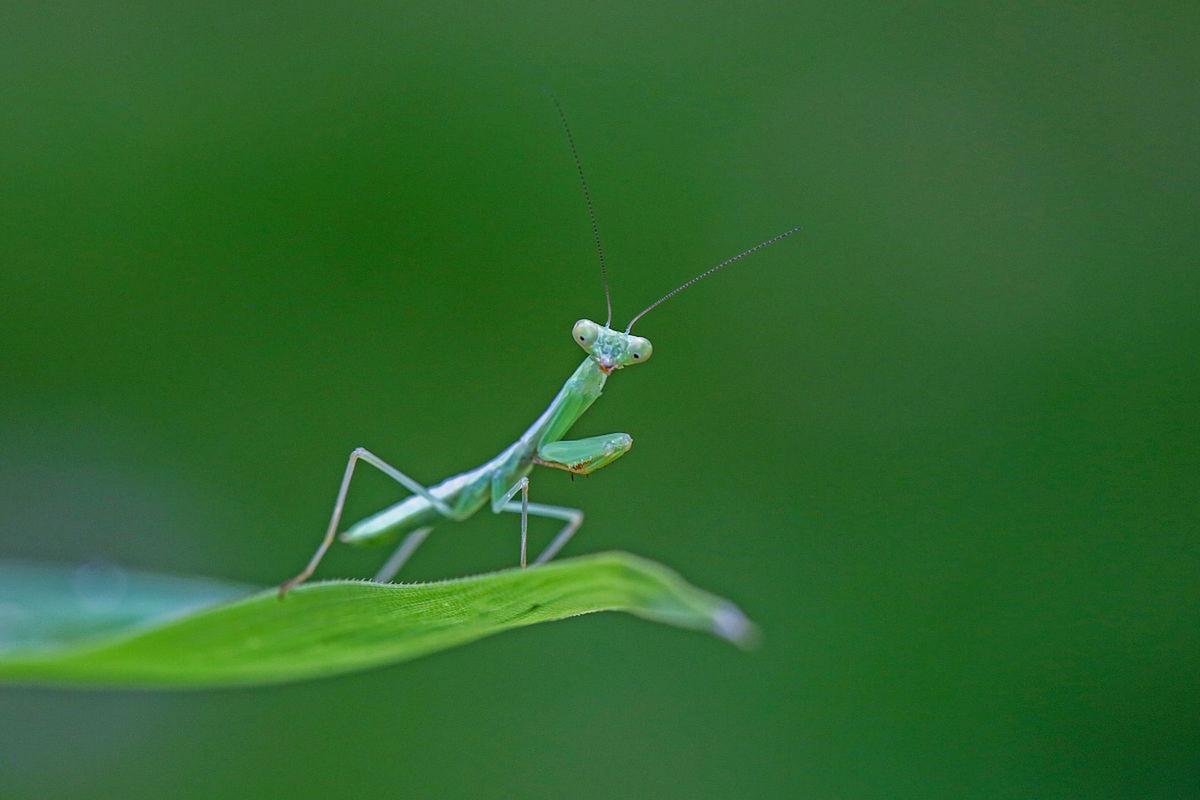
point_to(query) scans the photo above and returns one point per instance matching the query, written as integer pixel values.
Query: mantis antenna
(587, 198)
(708, 272)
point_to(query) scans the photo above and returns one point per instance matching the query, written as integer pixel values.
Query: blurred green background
(943, 447)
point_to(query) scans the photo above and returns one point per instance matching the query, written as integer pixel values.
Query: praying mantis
(499, 480)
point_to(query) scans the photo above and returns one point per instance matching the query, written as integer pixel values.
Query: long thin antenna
(708, 272)
(587, 197)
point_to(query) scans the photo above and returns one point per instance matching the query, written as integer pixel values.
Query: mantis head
(611, 349)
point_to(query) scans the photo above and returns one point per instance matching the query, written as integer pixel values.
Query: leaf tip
(731, 624)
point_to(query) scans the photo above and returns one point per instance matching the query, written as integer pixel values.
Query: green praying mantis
(499, 480)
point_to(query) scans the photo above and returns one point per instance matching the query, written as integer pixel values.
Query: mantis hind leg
(401, 555)
(361, 453)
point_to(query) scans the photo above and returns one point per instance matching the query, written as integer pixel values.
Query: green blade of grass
(109, 628)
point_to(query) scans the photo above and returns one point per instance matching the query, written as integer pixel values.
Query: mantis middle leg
(416, 538)
(579, 457)
(572, 516)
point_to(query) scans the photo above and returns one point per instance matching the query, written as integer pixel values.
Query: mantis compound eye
(585, 333)
(639, 350)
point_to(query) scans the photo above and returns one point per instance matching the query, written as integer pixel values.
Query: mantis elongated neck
(574, 398)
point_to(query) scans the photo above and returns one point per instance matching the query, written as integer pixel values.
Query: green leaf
(106, 627)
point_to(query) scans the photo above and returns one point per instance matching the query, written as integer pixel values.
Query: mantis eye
(585, 333)
(639, 350)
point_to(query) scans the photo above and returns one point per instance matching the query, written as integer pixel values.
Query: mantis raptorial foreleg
(584, 456)
(336, 517)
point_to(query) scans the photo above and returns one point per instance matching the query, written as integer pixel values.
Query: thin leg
(336, 517)
(572, 516)
(401, 556)
(521, 486)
